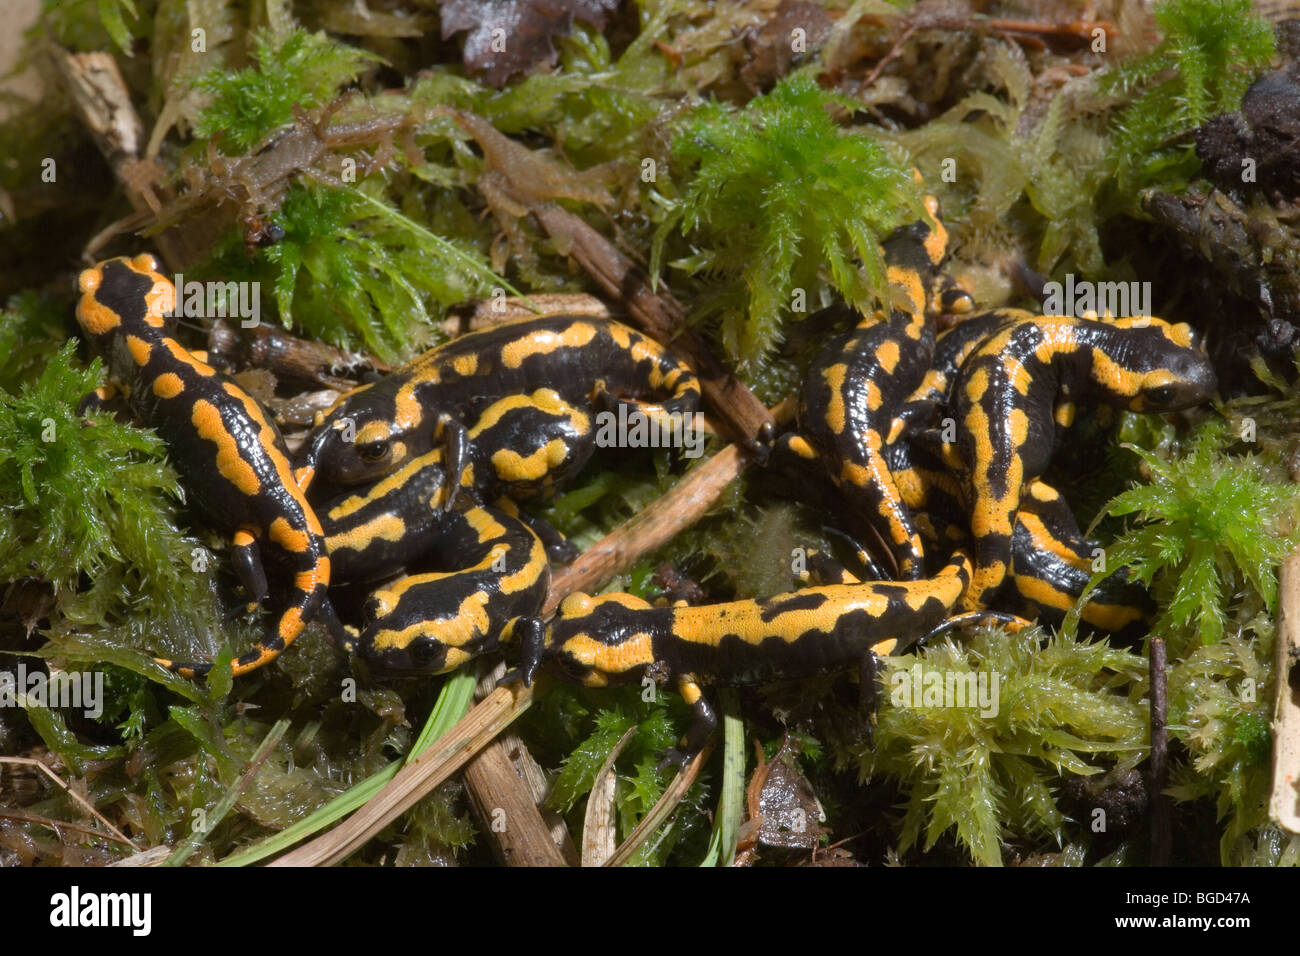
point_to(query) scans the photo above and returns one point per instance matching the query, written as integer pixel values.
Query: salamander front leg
(704, 721)
(530, 634)
(247, 559)
(455, 440)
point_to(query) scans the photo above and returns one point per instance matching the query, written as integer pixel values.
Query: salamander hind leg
(704, 721)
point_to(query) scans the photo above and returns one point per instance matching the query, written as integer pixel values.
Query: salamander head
(1173, 369)
(355, 445)
(123, 295)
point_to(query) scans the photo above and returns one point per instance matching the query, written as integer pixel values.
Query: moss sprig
(780, 193)
(1210, 53)
(305, 69)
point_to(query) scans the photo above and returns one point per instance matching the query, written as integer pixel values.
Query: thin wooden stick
(663, 808)
(1284, 800)
(116, 834)
(417, 779)
(688, 501)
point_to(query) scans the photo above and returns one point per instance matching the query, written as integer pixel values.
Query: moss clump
(1209, 523)
(92, 498)
(304, 70)
(987, 775)
(1210, 53)
(780, 192)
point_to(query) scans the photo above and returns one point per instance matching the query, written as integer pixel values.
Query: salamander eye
(425, 652)
(1161, 396)
(373, 451)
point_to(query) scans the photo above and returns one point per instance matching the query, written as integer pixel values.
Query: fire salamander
(858, 385)
(615, 638)
(227, 451)
(490, 569)
(1006, 398)
(590, 365)
(433, 622)
(1051, 561)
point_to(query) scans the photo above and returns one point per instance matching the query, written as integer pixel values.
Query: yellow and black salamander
(858, 385)
(228, 452)
(615, 638)
(490, 565)
(590, 364)
(1006, 397)
(496, 571)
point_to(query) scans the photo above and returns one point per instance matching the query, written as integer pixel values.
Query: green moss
(355, 271)
(1209, 523)
(94, 499)
(1210, 52)
(304, 69)
(780, 193)
(1059, 707)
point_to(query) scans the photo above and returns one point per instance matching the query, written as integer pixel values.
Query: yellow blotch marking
(549, 400)
(484, 525)
(168, 385)
(544, 342)
(230, 463)
(576, 604)
(512, 466)
(407, 410)
(936, 243)
(874, 398)
(799, 445)
(635, 651)
(834, 377)
(383, 528)
(1119, 381)
(977, 384)
(140, 350)
(906, 290)
(887, 355)
(465, 365)
(290, 625)
(1064, 414)
(95, 317)
(288, 537)
(306, 581)
(621, 334)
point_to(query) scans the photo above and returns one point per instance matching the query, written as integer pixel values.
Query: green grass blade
(731, 802)
(452, 703)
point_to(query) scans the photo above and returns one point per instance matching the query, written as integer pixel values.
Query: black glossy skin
(495, 570)
(591, 364)
(858, 386)
(1006, 397)
(1051, 560)
(227, 451)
